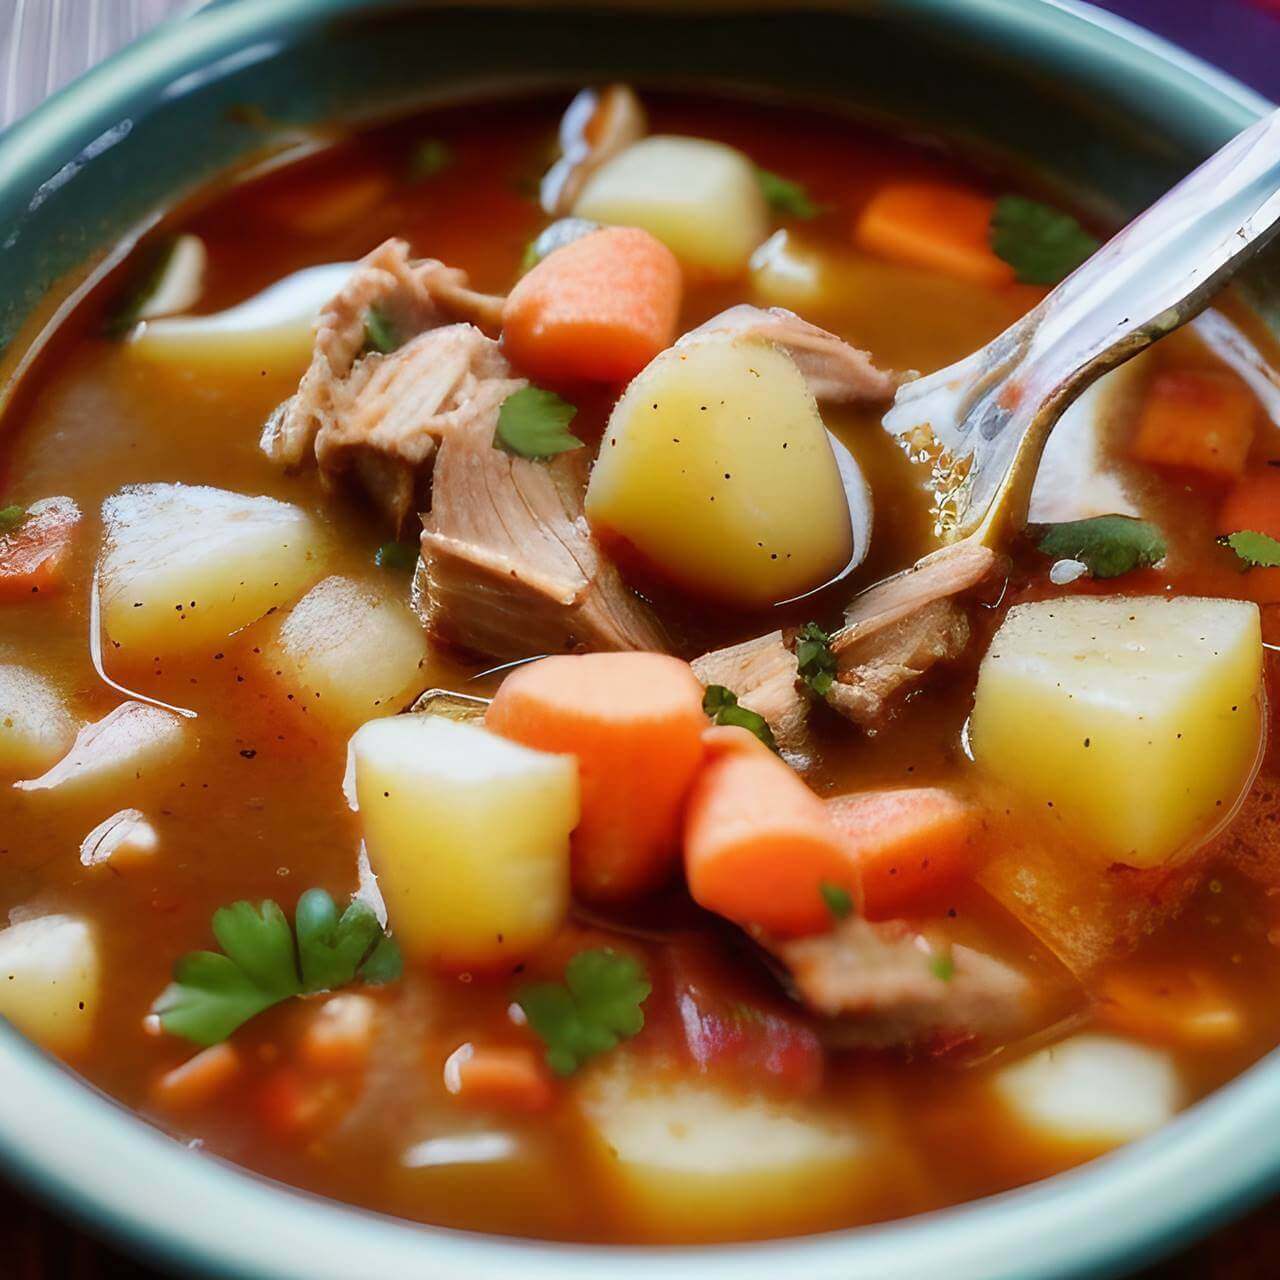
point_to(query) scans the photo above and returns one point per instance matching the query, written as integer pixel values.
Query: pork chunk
(762, 672)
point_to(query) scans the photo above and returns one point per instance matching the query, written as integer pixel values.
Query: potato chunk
(49, 981)
(1136, 719)
(468, 835)
(700, 198)
(35, 725)
(694, 1159)
(349, 652)
(716, 468)
(184, 566)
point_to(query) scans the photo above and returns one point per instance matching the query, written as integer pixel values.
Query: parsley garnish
(11, 517)
(595, 1008)
(942, 964)
(534, 423)
(380, 334)
(142, 287)
(1107, 545)
(786, 196)
(213, 993)
(1257, 550)
(1041, 244)
(816, 662)
(721, 705)
(397, 555)
(428, 159)
(838, 899)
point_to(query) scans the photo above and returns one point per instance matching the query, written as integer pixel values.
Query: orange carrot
(198, 1080)
(909, 845)
(1201, 419)
(935, 225)
(34, 554)
(759, 846)
(634, 721)
(340, 1034)
(290, 1106)
(599, 309)
(1170, 1004)
(498, 1078)
(1254, 505)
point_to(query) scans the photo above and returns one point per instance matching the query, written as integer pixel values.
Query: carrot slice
(1170, 1005)
(498, 1078)
(935, 225)
(759, 847)
(909, 845)
(198, 1080)
(1201, 419)
(1254, 505)
(339, 1036)
(33, 555)
(598, 309)
(634, 721)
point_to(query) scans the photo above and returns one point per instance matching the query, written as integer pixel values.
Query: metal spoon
(983, 421)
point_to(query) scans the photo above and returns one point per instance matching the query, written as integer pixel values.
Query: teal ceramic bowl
(1092, 105)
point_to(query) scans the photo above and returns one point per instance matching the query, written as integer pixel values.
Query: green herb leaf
(942, 965)
(534, 423)
(838, 899)
(721, 705)
(596, 1007)
(397, 555)
(142, 287)
(11, 517)
(1041, 244)
(560, 233)
(785, 196)
(380, 333)
(213, 993)
(1107, 545)
(817, 664)
(429, 157)
(1257, 550)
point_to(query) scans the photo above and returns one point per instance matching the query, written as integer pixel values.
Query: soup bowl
(1089, 106)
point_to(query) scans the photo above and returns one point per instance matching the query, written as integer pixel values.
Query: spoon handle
(983, 422)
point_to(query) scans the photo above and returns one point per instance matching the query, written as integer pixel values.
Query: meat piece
(889, 986)
(409, 297)
(510, 566)
(762, 672)
(596, 127)
(836, 372)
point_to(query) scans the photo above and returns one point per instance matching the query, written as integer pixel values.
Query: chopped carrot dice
(291, 1106)
(198, 1080)
(1200, 419)
(498, 1078)
(340, 1034)
(1170, 1005)
(33, 556)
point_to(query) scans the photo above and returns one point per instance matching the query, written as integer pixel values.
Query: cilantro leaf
(397, 555)
(533, 423)
(786, 196)
(1041, 244)
(1257, 550)
(385, 963)
(429, 157)
(143, 286)
(817, 664)
(596, 1007)
(942, 964)
(331, 949)
(380, 333)
(838, 899)
(721, 705)
(1107, 545)
(209, 997)
(258, 941)
(11, 517)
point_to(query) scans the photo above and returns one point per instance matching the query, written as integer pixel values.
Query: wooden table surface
(44, 43)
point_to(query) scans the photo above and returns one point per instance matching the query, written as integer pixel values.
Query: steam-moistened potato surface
(468, 835)
(716, 468)
(697, 1160)
(35, 725)
(701, 199)
(1135, 719)
(49, 981)
(184, 566)
(349, 652)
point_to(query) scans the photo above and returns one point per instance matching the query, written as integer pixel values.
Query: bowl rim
(71, 1144)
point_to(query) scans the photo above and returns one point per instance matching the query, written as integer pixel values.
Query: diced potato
(701, 199)
(716, 468)
(272, 330)
(125, 839)
(35, 725)
(468, 835)
(787, 274)
(1137, 720)
(49, 981)
(1092, 1089)
(349, 652)
(185, 566)
(180, 282)
(695, 1160)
